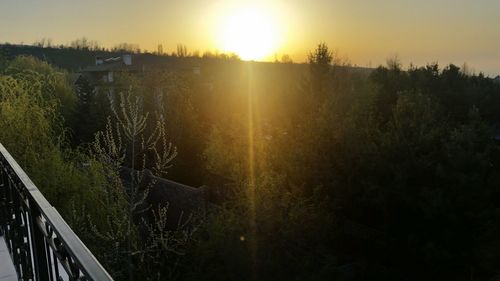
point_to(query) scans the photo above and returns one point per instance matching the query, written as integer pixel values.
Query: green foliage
(32, 131)
(399, 169)
(231, 249)
(170, 97)
(92, 110)
(3, 61)
(52, 84)
(388, 175)
(226, 154)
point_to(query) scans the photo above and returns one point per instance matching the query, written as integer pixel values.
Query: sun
(250, 33)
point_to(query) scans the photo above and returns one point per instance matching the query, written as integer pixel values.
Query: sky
(365, 31)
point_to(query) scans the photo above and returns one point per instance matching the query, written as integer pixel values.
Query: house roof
(141, 62)
(118, 65)
(182, 201)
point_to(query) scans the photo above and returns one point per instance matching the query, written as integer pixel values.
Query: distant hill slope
(67, 58)
(76, 59)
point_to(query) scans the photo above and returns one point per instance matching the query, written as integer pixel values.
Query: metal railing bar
(29, 196)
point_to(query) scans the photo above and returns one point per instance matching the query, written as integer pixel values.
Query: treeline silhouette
(86, 44)
(82, 52)
(324, 172)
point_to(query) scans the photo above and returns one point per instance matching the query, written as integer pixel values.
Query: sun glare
(250, 33)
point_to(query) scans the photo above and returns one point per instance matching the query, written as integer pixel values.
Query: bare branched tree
(182, 51)
(125, 147)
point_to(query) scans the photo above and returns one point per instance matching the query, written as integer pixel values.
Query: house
(104, 70)
(103, 73)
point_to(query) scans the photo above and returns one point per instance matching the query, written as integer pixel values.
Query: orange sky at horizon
(367, 32)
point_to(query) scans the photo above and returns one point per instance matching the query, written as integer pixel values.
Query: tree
(286, 59)
(3, 61)
(33, 132)
(84, 44)
(320, 60)
(394, 63)
(126, 47)
(319, 66)
(125, 148)
(55, 84)
(181, 51)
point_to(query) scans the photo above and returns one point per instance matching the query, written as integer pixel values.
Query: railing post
(39, 248)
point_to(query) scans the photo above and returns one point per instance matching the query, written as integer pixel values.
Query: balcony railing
(40, 242)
